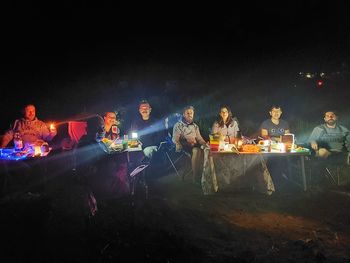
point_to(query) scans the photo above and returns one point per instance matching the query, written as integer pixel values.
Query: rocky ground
(177, 223)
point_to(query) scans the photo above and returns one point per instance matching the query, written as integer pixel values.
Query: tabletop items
(285, 145)
(120, 145)
(37, 149)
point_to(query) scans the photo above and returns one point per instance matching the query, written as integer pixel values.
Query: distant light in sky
(319, 83)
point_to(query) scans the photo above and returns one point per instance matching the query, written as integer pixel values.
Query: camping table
(14, 165)
(225, 168)
(134, 156)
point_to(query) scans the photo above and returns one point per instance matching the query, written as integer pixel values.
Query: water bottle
(17, 141)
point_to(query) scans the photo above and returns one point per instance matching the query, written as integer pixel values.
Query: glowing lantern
(134, 135)
(37, 150)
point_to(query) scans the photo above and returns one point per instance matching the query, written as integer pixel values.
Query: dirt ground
(177, 223)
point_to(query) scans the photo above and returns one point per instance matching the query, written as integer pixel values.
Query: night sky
(71, 59)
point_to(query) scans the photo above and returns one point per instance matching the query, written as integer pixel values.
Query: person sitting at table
(330, 143)
(187, 137)
(111, 178)
(150, 131)
(274, 127)
(330, 138)
(30, 128)
(110, 129)
(226, 125)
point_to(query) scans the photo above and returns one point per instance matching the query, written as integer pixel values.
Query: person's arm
(46, 133)
(100, 135)
(160, 133)
(199, 137)
(235, 129)
(347, 146)
(176, 137)
(287, 129)
(264, 133)
(8, 136)
(314, 137)
(347, 141)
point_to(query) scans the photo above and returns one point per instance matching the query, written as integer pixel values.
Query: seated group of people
(325, 139)
(328, 139)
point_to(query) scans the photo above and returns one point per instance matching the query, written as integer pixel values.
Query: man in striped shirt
(330, 138)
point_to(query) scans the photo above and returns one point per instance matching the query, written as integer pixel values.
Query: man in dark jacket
(150, 131)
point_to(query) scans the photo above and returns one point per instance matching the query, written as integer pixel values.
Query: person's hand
(178, 147)
(205, 145)
(52, 128)
(314, 146)
(191, 142)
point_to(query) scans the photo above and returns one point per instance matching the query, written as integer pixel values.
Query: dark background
(72, 60)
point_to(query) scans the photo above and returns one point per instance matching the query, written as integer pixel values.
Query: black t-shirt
(274, 130)
(150, 132)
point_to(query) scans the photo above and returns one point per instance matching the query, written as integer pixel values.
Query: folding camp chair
(167, 148)
(330, 168)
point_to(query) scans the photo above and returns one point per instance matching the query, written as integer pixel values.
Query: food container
(214, 140)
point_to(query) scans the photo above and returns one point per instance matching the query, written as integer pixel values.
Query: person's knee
(197, 151)
(323, 153)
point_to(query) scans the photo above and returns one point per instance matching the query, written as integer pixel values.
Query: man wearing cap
(187, 137)
(148, 129)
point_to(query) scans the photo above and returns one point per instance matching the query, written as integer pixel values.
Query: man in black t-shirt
(274, 127)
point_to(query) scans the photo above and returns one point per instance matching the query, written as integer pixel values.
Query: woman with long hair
(226, 125)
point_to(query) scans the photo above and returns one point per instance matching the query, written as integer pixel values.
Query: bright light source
(134, 135)
(319, 83)
(308, 75)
